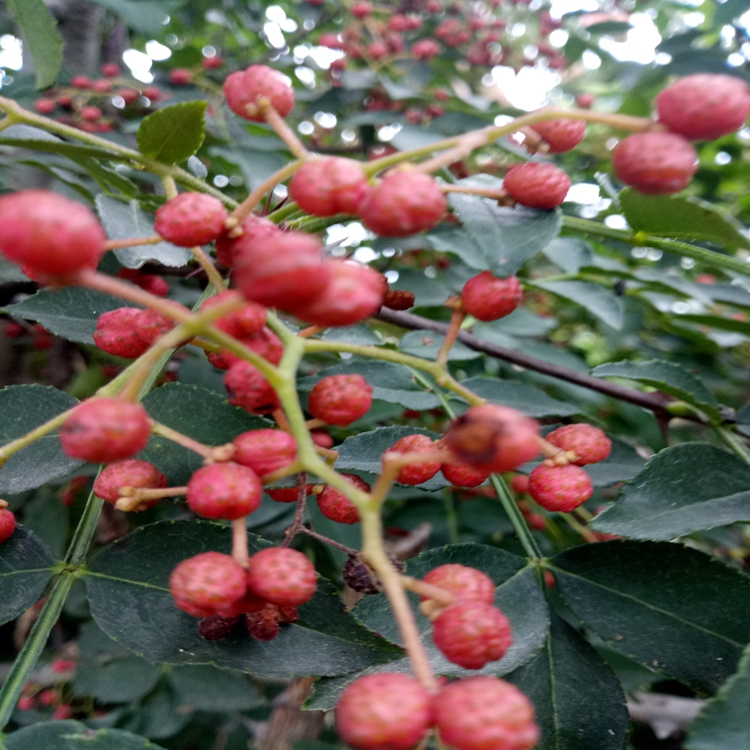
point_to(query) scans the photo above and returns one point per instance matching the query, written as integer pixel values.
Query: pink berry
(225, 490)
(417, 472)
(91, 114)
(489, 298)
(463, 475)
(283, 269)
(353, 293)
(207, 582)
(117, 332)
(7, 524)
(129, 96)
(425, 49)
(151, 325)
(247, 388)
(537, 184)
(704, 106)
(589, 443)
(81, 82)
(180, 77)
(25, 703)
(561, 135)
(655, 163)
(103, 430)
(45, 106)
(111, 70)
(520, 484)
(361, 9)
(402, 204)
(286, 494)
(560, 488)
(245, 88)
(471, 634)
(148, 281)
(253, 228)
(466, 584)
(282, 576)
(336, 506)
(48, 233)
(485, 713)
(326, 187)
(386, 711)
(129, 473)
(250, 319)
(191, 219)
(340, 399)
(265, 451)
(265, 343)
(212, 63)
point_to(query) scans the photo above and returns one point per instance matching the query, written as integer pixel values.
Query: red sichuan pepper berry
(488, 298)
(191, 219)
(129, 473)
(117, 332)
(589, 443)
(253, 228)
(537, 184)
(247, 388)
(282, 576)
(340, 399)
(466, 584)
(383, 711)
(463, 475)
(265, 451)
(561, 135)
(224, 490)
(417, 472)
(560, 488)
(103, 430)
(336, 506)
(326, 187)
(203, 584)
(244, 89)
(247, 321)
(7, 524)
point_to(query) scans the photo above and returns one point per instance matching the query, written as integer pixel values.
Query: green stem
(516, 518)
(640, 239)
(733, 442)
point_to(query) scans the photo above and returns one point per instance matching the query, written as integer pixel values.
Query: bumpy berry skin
(117, 332)
(353, 293)
(265, 342)
(489, 298)
(103, 430)
(537, 184)
(48, 233)
(265, 451)
(493, 438)
(326, 187)
(386, 711)
(263, 625)
(191, 219)
(247, 388)
(283, 576)
(704, 106)
(402, 204)
(561, 135)
(286, 494)
(589, 443)
(152, 325)
(7, 524)
(203, 584)
(253, 228)
(655, 163)
(284, 270)
(244, 88)
(471, 634)
(225, 490)
(560, 488)
(463, 475)
(247, 321)
(336, 506)
(416, 473)
(148, 281)
(340, 399)
(466, 584)
(129, 473)
(485, 713)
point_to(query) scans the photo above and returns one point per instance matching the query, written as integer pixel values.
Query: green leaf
(505, 237)
(525, 398)
(40, 33)
(426, 344)
(579, 702)
(122, 221)
(722, 722)
(119, 681)
(666, 376)
(671, 608)
(207, 688)
(199, 413)
(675, 216)
(390, 382)
(22, 408)
(145, 16)
(36, 139)
(594, 298)
(74, 735)
(172, 134)
(130, 600)
(363, 452)
(360, 335)
(623, 463)
(158, 716)
(517, 594)
(569, 253)
(685, 488)
(70, 312)
(25, 570)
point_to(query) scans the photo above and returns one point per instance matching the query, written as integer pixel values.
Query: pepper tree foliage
(634, 319)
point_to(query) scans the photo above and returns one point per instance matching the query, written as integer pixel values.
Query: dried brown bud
(398, 299)
(361, 577)
(264, 625)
